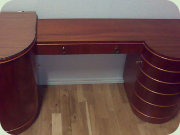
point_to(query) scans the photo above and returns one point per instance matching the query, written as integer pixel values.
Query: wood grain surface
(151, 99)
(97, 109)
(161, 35)
(17, 32)
(102, 47)
(18, 94)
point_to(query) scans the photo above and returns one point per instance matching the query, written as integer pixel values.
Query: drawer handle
(63, 50)
(20, 11)
(139, 62)
(116, 50)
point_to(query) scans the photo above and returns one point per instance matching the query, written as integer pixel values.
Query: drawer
(154, 97)
(58, 48)
(161, 61)
(48, 49)
(158, 73)
(150, 119)
(151, 110)
(156, 85)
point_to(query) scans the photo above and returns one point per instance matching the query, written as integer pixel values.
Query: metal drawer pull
(116, 50)
(139, 62)
(63, 50)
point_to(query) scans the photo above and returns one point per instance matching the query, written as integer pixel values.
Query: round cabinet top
(17, 34)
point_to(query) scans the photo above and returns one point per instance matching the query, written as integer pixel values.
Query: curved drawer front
(18, 85)
(158, 73)
(161, 61)
(152, 114)
(153, 110)
(20, 98)
(157, 88)
(149, 118)
(155, 98)
(150, 107)
(156, 85)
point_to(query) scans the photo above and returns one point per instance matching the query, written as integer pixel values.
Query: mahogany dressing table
(151, 74)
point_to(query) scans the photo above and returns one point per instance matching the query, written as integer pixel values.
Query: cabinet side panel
(19, 95)
(130, 74)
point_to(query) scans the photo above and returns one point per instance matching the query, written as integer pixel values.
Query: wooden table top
(17, 32)
(161, 35)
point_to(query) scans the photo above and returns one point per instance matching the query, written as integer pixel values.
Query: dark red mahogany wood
(165, 63)
(154, 85)
(100, 47)
(158, 112)
(18, 87)
(130, 71)
(19, 29)
(158, 73)
(161, 35)
(152, 99)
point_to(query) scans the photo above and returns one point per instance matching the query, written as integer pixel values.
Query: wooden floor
(98, 109)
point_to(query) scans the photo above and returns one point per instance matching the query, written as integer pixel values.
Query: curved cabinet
(155, 93)
(18, 88)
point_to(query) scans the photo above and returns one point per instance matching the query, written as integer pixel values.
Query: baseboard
(82, 81)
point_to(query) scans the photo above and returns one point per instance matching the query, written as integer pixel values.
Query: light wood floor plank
(88, 120)
(56, 124)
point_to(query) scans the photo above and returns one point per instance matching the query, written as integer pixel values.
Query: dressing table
(151, 74)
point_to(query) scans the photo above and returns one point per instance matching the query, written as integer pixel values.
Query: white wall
(89, 68)
(96, 8)
(68, 69)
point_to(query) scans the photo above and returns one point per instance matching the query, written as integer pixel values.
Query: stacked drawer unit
(157, 87)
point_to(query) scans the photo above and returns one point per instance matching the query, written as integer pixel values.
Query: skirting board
(82, 81)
